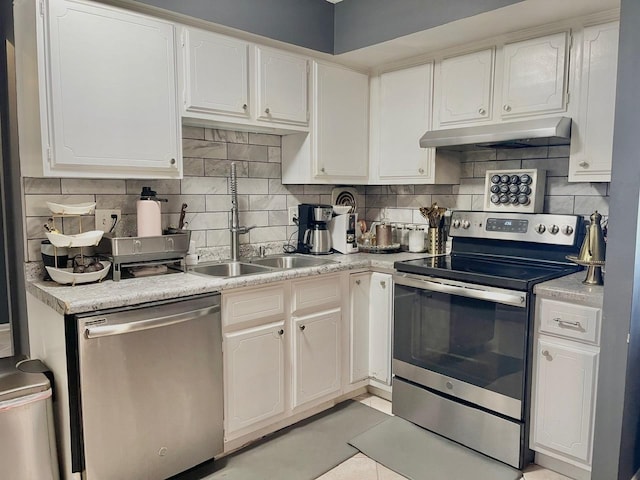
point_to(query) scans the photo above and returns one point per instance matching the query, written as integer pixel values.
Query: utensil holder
(436, 241)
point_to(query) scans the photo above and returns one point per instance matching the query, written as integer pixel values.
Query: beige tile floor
(361, 467)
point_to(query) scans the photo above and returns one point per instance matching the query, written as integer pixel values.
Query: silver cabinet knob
(547, 354)
(302, 327)
(281, 332)
(421, 171)
(584, 164)
(383, 284)
(357, 282)
(172, 161)
(449, 385)
(482, 111)
(507, 108)
(245, 106)
(267, 111)
(322, 170)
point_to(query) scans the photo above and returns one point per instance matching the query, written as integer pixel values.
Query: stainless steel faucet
(234, 226)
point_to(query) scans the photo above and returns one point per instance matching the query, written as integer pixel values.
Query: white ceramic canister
(149, 213)
(416, 240)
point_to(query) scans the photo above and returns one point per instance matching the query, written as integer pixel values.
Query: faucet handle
(243, 229)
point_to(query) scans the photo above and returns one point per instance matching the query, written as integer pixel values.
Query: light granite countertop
(66, 299)
(571, 289)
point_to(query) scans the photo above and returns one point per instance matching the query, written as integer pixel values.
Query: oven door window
(476, 341)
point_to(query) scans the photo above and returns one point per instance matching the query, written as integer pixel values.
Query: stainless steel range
(463, 327)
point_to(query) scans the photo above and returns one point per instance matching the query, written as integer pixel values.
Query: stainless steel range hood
(528, 133)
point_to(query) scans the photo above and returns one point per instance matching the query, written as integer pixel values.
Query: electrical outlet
(293, 215)
(104, 219)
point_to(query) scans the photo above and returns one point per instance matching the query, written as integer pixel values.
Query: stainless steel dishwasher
(150, 383)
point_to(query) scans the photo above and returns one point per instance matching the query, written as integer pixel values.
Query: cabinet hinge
(42, 8)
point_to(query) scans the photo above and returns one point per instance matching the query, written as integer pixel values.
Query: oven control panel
(524, 227)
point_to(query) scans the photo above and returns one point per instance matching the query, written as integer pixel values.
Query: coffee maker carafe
(313, 231)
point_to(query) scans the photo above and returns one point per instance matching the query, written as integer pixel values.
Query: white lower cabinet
(254, 373)
(565, 397)
(359, 294)
(316, 365)
(565, 375)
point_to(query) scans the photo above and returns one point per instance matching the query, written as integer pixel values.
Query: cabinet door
(534, 76)
(254, 378)
(341, 123)
(592, 131)
(464, 86)
(404, 116)
(381, 316)
(359, 327)
(564, 398)
(317, 340)
(112, 93)
(216, 73)
(282, 87)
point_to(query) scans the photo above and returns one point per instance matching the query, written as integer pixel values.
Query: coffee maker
(313, 231)
(343, 232)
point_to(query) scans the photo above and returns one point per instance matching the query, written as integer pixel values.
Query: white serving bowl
(86, 239)
(65, 276)
(341, 209)
(77, 209)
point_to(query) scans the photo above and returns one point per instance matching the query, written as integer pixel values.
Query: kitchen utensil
(436, 241)
(434, 215)
(183, 211)
(383, 234)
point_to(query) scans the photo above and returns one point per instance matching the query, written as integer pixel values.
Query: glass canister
(417, 239)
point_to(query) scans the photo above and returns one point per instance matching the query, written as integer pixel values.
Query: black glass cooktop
(504, 272)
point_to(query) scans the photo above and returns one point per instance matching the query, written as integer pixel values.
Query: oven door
(464, 340)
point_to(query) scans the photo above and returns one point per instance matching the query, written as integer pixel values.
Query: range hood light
(528, 133)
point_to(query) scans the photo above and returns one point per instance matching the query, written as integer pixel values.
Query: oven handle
(491, 294)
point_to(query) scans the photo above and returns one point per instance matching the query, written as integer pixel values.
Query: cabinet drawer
(569, 320)
(253, 306)
(316, 294)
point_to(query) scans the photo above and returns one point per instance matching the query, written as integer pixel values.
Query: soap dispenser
(149, 213)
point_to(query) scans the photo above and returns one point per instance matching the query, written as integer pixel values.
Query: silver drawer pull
(559, 321)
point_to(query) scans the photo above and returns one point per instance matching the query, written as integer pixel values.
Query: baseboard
(379, 389)
(561, 467)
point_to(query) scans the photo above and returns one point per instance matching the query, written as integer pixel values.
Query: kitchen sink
(284, 262)
(230, 269)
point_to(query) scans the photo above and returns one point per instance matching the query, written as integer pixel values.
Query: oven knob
(567, 229)
(540, 228)
(553, 229)
(466, 224)
(456, 223)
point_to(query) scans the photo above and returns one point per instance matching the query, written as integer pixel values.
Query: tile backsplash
(263, 200)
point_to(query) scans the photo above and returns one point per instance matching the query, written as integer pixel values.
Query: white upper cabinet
(282, 81)
(341, 123)
(401, 114)
(216, 73)
(592, 130)
(535, 76)
(108, 98)
(464, 88)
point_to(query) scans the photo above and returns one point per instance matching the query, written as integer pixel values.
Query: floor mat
(303, 451)
(419, 454)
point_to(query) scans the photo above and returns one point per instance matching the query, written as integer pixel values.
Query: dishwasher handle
(147, 324)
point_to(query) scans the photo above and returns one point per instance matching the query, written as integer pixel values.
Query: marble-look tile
(278, 217)
(222, 203)
(251, 153)
(274, 154)
(381, 404)
(521, 153)
(295, 200)
(561, 186)
(268, 234)
(264, 170)
(536, 472)
(125, 203)
(554, 167)
(264, 139)
(267, 202)
(276, 187)
(386, 474)
(73, 225)
(559, 204)
(477, 203)
(358, 467)
(413, 201)
(395, 215)
(400, 189)
(207, 220)
(35, 227)
(381, 201)
(375, 189)
(218, 238)
(480, 168)
(466, 169)
(204, 149)
(195, 203)
(36, 206)
(196, 133)
(229, 136)
(222, 168)
(200, 237)
(42, 186)
(481, 155)
(455, 202)
(204, 185)
(433, 189)
(318, 189)
(259, 219)
(559, 151)
(587, 205)
(256, 186)
(193, 167)
(471, 186)
(161, 187)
